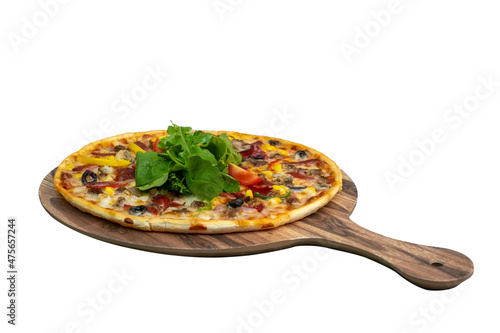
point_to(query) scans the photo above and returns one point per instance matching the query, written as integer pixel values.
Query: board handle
(428, 267)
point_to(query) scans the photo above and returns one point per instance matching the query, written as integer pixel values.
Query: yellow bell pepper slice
(135, 148)
(102, 161)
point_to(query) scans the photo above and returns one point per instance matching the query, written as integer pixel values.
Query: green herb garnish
(191, 163)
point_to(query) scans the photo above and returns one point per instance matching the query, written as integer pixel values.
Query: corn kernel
(310, 190)
(215, 201)
(267, 173)
(267, 146)
(274, 201)
(78, 176)
(282, 152)
(249, 193)
(70, 167)
(276, 167)
(109, 190)
(282, 189)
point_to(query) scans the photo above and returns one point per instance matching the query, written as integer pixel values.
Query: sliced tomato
(243, 176)
(155, 147)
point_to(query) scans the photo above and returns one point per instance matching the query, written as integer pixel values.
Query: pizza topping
(162, 200)
(300, 155)
(301, 175)
(137, 210)
(124, 174)
(235, 203)
(95, 191)
(157, 149)
(124, 154)
(262, 190)
(273, 142)
(198, 204)
(118, 148)
(256, 162)
(89, 177)
(103, 171)
(254, 151)
(181, 210)
(274, 194)
(243, 176)
(282, 179)
(119, 202)
(107, 184)
(297, 188)
(100, 154)
(142, 145)
(110, 160)
(84, 167)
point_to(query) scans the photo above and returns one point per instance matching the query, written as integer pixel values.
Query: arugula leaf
(176, 183)
(232, 156)
(203, 178)
(151, 170)
(223, 151)
(230, 184)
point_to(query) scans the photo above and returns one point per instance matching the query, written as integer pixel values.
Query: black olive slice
(137, 210)
(300, 155)
(235, 203)
(89, 174)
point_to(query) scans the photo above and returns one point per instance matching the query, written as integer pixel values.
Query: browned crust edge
(180, 225)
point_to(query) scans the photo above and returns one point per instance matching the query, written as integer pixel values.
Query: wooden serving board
(425, 266)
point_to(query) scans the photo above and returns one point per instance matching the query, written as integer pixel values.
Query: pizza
(186, 181)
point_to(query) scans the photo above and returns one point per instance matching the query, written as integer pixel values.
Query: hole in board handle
(437, 264)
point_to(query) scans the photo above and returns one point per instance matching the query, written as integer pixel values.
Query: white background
(256, 66)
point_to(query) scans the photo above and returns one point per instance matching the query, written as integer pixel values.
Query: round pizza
(186, 181)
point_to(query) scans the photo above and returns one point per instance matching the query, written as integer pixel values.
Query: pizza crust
(191, 225)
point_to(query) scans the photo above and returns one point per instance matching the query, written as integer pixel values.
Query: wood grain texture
(425, 266)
